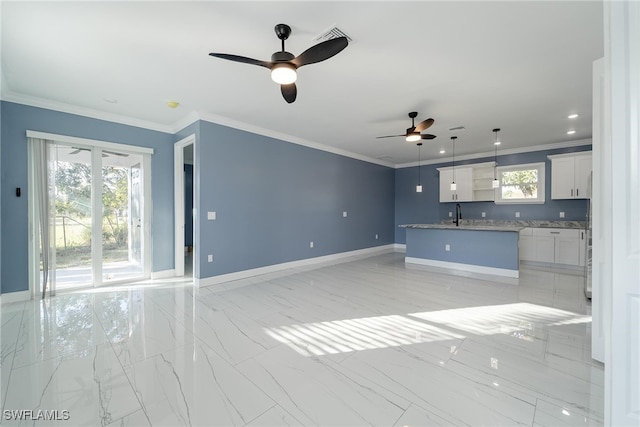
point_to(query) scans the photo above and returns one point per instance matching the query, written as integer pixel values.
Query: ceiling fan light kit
(284, 65)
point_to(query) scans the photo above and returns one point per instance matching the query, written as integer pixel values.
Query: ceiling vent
(332, 32)
(457, 129)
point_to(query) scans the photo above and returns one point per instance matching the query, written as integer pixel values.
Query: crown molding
(542, 147)
(47, 104)
(194, 116)
(214, 118)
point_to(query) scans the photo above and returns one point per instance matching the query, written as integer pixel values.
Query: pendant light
(495, 183)
(453, 183)
(419, 186)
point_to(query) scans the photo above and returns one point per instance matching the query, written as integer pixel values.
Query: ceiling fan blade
(424, 125)
(289, 92)
(427, 136)
(321, 51)
(389, 136)
(242, 59)
(76, 151)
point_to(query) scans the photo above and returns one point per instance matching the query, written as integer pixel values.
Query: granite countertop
(499, 225)
(476, 227)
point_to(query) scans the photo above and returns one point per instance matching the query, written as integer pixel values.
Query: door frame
(96, 206)
(179, 213)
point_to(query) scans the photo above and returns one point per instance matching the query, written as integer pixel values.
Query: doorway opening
(185, 208)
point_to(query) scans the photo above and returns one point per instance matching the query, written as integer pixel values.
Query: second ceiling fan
(413, 133)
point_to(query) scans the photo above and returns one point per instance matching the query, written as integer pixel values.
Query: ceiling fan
(283, 65)
(105, 153)
(413, 133)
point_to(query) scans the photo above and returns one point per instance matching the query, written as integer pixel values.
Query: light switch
(210, 258)
(211, 216)
(344, 214)
(310, 244)
(484, 214)
(447, 248)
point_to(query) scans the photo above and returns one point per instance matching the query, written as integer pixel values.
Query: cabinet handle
(554, 232)
(572, 192)
(582, 235)
(577, 192)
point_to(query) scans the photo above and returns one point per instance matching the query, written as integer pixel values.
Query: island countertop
(475, 227)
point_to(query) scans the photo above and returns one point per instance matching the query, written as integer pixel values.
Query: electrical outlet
(210, 258)
(376, 237)
(484, 214)
(517, 214)
(450, 214)
(344, 214)
(211, 216)
(310, 244)
(561, 214)
(447, 247)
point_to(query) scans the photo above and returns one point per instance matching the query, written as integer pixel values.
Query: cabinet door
(527, 248)
(545, 249)
(567, 250)
(582, 171)
(464, 181)
(562, 178)
(446, 195)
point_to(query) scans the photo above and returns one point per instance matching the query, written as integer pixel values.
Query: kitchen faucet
(458, 215)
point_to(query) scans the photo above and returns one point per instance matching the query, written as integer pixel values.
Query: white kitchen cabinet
(464, 185)
(570, 175)
(473, 183)
(552, 245)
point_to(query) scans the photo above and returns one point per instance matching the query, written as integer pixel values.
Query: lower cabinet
(552, 245)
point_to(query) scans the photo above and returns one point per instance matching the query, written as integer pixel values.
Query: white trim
(85, 142)
(84, 112)
(565, 155)
(164, 274)
(464, 267)
(12, 297)
(333, 258)
(178, 200)
(399, 247)
(543, 147)
(213, 118)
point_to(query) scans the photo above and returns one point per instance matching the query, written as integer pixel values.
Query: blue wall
(16, 120)
(425, 207)
(273, 197)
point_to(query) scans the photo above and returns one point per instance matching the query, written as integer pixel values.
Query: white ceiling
(521, 66)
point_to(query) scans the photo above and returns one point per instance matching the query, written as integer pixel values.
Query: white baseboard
(335, 258)
(464, 267)
(19, 296)
(164, 274)
(399, 247)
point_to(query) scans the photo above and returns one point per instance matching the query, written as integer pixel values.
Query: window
(521, 183)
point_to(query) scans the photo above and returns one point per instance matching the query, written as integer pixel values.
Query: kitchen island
(485, 249)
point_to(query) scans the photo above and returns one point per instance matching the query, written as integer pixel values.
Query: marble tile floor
(364, 342)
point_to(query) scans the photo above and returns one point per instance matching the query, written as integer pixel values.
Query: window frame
(540, 199)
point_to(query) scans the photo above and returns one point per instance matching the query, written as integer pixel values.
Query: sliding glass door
(97, 216)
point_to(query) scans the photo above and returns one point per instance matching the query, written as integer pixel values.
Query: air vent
(332, 32)
(385, 158)
(457, 129)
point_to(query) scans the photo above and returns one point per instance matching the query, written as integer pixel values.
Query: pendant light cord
(419, 147)
(453, 138)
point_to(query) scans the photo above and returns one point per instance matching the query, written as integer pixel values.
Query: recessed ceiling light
(110, 100)
(571, 132)
(572, 116)
(441, 151)
(173, 104)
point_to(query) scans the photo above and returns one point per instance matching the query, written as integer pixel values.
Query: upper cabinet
(473, 183)
(570, 175)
